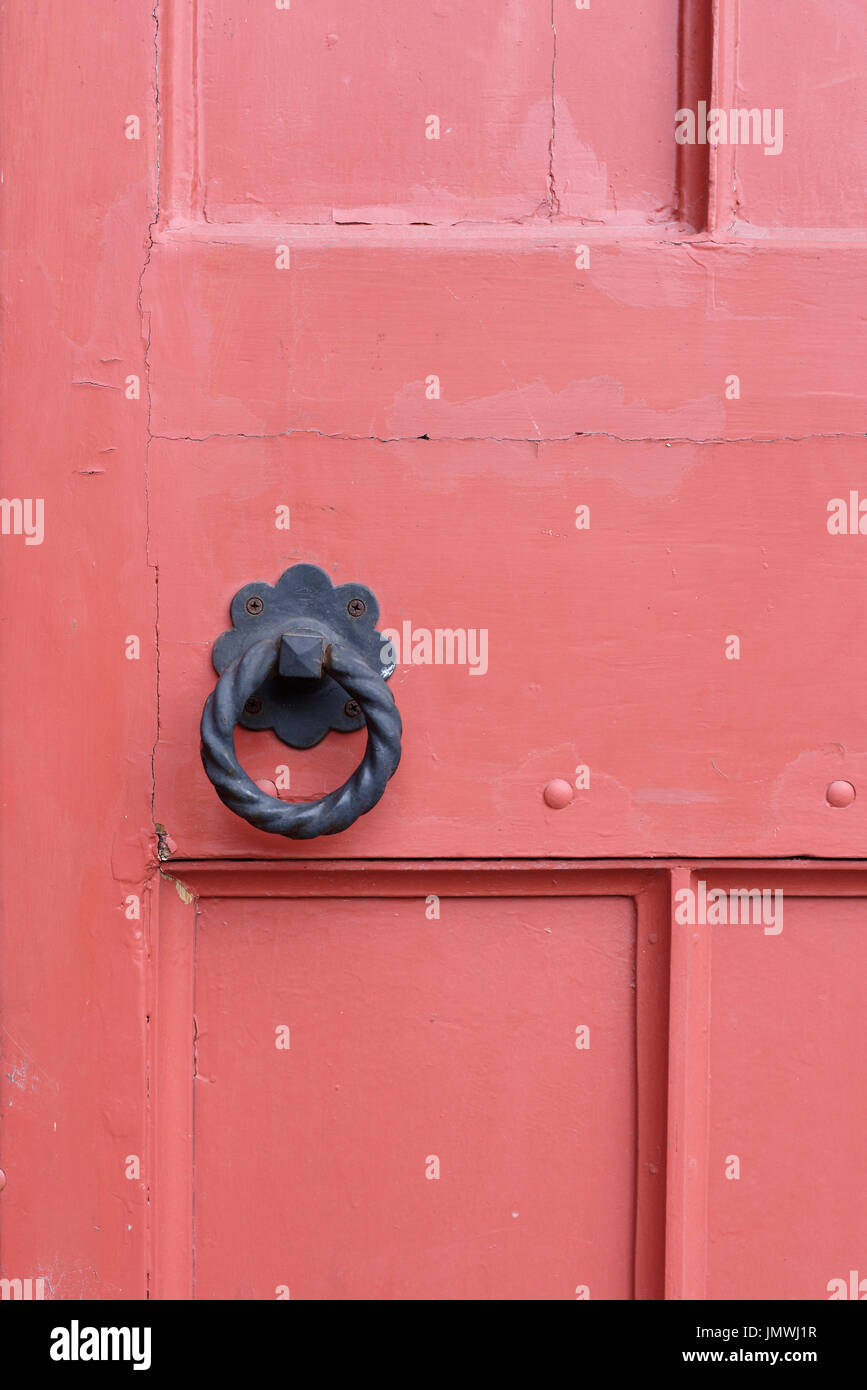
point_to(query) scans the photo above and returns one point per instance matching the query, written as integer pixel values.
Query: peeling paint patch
(166, 846)
(184, 893)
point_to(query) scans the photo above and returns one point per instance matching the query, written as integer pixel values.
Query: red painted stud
(558, 793)
(840, 794)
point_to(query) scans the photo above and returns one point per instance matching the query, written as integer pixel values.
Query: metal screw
(253, 706)
(356, 607)
(254, 606)
(352, 709)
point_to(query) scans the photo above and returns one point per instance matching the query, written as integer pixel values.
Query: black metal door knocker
(302, 657)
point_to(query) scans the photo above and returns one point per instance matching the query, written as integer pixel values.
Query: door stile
(171, 1091)
(688, 1103)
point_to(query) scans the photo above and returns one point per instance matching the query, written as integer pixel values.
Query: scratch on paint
(15, 1073)
(28, 1070)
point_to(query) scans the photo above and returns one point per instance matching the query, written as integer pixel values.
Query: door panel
(787, 1098)
(818, 179)
(416, 1082)
(335, 102)
(425, 1137)
(608, 166)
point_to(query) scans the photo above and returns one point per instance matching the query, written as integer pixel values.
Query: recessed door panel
(391, 1104)
(787, 1157)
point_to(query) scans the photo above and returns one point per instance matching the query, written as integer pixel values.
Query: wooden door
(544, 322)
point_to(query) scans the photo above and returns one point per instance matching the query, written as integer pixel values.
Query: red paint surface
(407, 1046)
(77, 720)
(606, 647)
(785, 1091)
(561, 385)
(526, 346)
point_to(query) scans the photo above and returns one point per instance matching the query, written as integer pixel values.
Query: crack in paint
(516, 438)
(196, 178)
(553, 200)
(146, 336)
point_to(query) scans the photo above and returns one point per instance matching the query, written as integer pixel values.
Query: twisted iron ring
(337, 810)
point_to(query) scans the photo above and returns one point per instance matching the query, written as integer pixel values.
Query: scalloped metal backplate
(301, 712)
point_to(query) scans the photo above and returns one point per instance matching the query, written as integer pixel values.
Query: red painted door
(543, 322)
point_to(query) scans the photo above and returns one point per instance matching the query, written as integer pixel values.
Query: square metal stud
(302, 655)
